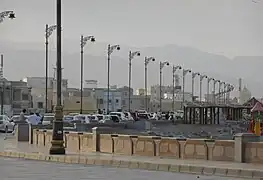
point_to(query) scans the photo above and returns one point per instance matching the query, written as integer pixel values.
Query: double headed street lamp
(214, 92)
(193, 82)
(147, 60)
(57, 143)
(175, 68)
(131, 56)
(162, 64)
(209, 79)
(219, 90)
(201, 84)
(185, 71)
(111, 49)
(83, 42)
(49, 31)
(9, 14)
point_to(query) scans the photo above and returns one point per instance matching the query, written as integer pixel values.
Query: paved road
(14, 169)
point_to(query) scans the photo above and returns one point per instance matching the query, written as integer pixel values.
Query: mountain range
(28, 59)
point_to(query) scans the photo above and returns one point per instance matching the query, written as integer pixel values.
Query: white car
(106, 120)
(5, 124)
(48, 119)
(128, 116)
(81, 118)
(94, 119)
(120, 114)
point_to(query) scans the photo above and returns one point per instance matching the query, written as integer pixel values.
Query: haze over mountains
(28, 59)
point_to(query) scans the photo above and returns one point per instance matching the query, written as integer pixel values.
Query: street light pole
(83, 42)
(131, 56)
(214, 92)
(193, 82)
(109, 52)
(201, 84)
(5, 14)
(208, 90)
(175, 68)
(57, 143)
(49, 31)
(146, 62)
(162, 64)
(185, 71)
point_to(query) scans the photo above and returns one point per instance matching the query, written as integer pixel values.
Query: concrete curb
(189, 169)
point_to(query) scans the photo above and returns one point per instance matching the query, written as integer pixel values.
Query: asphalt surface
(16, 169)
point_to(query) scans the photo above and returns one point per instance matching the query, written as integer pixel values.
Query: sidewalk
(10, 148)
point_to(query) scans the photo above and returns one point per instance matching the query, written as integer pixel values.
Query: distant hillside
(29, 60)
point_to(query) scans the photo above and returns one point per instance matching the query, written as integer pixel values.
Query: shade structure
(257, 108)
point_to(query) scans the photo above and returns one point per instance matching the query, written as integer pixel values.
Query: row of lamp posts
(57, 136)
(226, 88)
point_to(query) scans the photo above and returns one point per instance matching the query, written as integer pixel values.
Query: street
(14, 169)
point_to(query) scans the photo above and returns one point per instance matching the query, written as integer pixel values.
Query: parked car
(81, 118)
(68, 119)
(128, 116)
(120, 114)
(5, 124)
(16, 118)
(48, 119)
(115, 118)
(144, 116)
(107, 119)
(94, 119)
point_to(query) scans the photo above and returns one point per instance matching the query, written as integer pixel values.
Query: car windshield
(68, 118)
(79, 117)
(100, 117)
(48, 118)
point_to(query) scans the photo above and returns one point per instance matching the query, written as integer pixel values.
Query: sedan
(5, 124)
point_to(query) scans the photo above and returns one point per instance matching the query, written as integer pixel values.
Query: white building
(38, 91)
(115, 100)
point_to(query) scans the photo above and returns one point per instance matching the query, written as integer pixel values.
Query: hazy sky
(228, 27)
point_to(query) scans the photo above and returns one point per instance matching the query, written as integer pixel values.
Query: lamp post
(162, 64)
(214, 92)
(208, 83)
(49, 31)
(111, 49)
(219, 90)
(225, 92)
(131, 56)
(57, 143)
(193, 82)
(147, 60)
(83, 42)
(185, 71)
(175, 68)
(9, 14)
(201, 84)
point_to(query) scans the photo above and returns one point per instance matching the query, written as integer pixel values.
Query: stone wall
(204, 149)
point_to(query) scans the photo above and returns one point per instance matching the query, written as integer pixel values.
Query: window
(109, 100)
(101, 101)
(123, 102)
(24, 97)
(117, 101)
(40, 105)
(17, 106)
